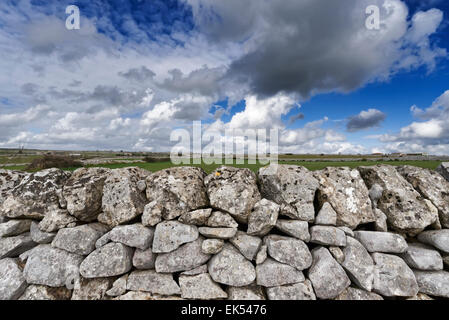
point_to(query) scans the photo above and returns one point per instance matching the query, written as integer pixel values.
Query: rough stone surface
(358, 264)
(12, 247)
(347, 230)
(433, 283)
(152, 214)
(381, 241)
(9, 179)
(57, 219)
(92, 289)
(169, 235)
(230, 267)
(381, 221)
(357, 294)
(122, 200)
(422, 257)
(153, 282)
(187, 257)
(179, 190)
(443, 169)
(118, 287)
(144, 259)
(221, 219)
(438, 239)
(113, 259)
(348, 195)
(273, 274)
(297, 291)
(247, 245)
(392, 277)
(196, 271)
(197, 217)
(38, 292)
(328, 236)
(262, 254)
(83, 192)
(12, 282)
(14, 227)
(200, 287)
(294, 228)
(290, 251)
(292, 187)
(246, 293)
(39, 236)
(338, 254)
(80, 240)
(217, 233)
(326, 216)
(51, 267)
(133, 235)
(402, 204)
(212, 246)
(233, 190)
(263, 218)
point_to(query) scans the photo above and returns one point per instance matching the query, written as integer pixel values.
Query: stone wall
(339, 233)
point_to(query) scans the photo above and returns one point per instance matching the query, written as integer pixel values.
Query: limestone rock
(381, 221)
(290, 251)
(358, 264)
(83, 192)
(12, 282)
(196, 271)
(422, 257)
(347, 231)
(80, 240)
(233, 190)
(246, 244)
(297, 291)
(14, 246)
(212, 246)
(200, 287)
(263, 218)
(392, 277)
(327, 235)
(221, 219)
(439, 239)
(358, 294)
(443, 169)
(39, 236)
(262, 254)
(118, 287)
(133, 235)
(39, 292)
(155, 283)
(230, 267)
(179, 190)
(144, 259)
(152, 214)
(404, 206)
(217, 233)
(142, 185)
(122, 200)
(292, 187)
(246, 293)
(346, 192)
(434, 283)
(381, 241)
(57, 219)
(51, 267)
(273, 274)
(197, 217)
(169, 235)
(9, 179)
(294, 228)
(338, 254)
(327, 276)
(111, 260)
(92, 289)
(14, 227)
(186, 257)
(326, 216)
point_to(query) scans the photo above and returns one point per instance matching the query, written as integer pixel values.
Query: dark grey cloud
(365, 120)
(295, 118)
(140, 75)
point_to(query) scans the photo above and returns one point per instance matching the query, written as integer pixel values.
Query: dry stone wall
(288, 234)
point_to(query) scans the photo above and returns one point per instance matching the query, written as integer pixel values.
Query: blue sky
(137, 70)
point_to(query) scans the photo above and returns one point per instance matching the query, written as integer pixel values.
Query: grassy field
(309, 165)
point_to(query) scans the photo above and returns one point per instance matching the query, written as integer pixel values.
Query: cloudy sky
(138, 69)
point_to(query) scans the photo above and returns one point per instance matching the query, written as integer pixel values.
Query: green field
(311, 165)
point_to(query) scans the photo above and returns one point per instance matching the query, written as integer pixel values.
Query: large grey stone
(273, 274)
(212, 246)
(443, 169)
(433, 283)
(39, 293)
(345, 191)
(262, 254)
(404, 207)
(12, 282)
(92, 289)
(438, 239)
(381, 241)
(51, 267)
(200, 287)
(263, 218)
(144, 259)
(83, 192)
(9, 179)
(290, 251)
(122, 200)
(294, 228)
(152, 214)
(118, 287)
(292, 187)
(14, 227)
(56, 219)
(218, 233)
(392, 276)
(169, 235)
(111, 260)
(326, 216)
(39, 236)
(186, 257)
(196, 271)
(297, 291)
(246, 244)
(133, 235)
(178, 190)
(358, 294)
(197, 217)
(246, 293)
(422, 257)
(153, 282)
(233, 190)
(80, 240)
(221, 219)
(230, 267)
(327, 276)
(328, 236)
(358, 264)
(14, 246)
